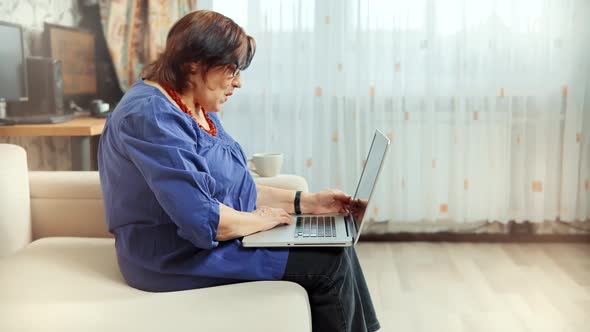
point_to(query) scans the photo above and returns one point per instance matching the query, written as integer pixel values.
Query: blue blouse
(163, 178)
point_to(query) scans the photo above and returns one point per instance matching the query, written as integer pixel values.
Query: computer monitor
(75, 48)
(13, 69)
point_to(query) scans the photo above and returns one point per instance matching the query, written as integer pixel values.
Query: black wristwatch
(297, 202)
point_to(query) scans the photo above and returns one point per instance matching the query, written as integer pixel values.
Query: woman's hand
(329, 201)
(272, 217)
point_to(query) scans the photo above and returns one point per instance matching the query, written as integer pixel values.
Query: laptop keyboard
(315, 226)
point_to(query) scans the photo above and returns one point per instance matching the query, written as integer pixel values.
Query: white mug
(268, 163)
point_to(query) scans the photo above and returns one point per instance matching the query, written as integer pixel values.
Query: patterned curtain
(487, 103)
(135, 32)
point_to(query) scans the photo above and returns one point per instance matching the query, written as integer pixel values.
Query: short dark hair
(205, 37)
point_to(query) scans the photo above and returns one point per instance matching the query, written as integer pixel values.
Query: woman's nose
(237, 81)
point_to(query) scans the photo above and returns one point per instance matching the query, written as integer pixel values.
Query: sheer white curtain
(487, 103)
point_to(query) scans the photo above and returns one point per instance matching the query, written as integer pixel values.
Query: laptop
(37, 119)
(329, 230)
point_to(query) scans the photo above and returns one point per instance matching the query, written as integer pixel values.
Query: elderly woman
(179, 197)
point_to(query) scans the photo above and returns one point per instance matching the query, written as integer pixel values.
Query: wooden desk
(80, 129)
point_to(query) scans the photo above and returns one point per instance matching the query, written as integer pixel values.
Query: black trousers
(338, 294)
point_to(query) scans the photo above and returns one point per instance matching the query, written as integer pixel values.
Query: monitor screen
(13, 72)
(75, 49)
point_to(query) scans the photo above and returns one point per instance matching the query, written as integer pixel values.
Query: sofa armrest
(283, 181)
(15, 207)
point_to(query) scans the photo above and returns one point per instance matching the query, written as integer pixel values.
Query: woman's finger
(342, 197)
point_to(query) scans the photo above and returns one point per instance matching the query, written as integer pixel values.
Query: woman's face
(220, 83)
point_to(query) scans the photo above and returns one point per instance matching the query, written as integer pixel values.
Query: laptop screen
(368, 178)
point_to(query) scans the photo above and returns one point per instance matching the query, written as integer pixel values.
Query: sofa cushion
(74, 284)
(61, 217)
(67, 204)
(70, 203)
(66, 184)
(284, 181)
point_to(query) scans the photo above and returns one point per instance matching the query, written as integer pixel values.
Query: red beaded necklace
(212, 129)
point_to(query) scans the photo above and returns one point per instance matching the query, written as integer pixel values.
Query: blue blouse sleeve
(162, 145)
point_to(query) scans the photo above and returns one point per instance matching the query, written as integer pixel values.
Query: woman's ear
(194, 68)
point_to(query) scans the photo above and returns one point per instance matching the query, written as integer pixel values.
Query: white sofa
(58, 269)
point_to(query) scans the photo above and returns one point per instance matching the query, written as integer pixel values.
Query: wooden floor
(418, 286)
